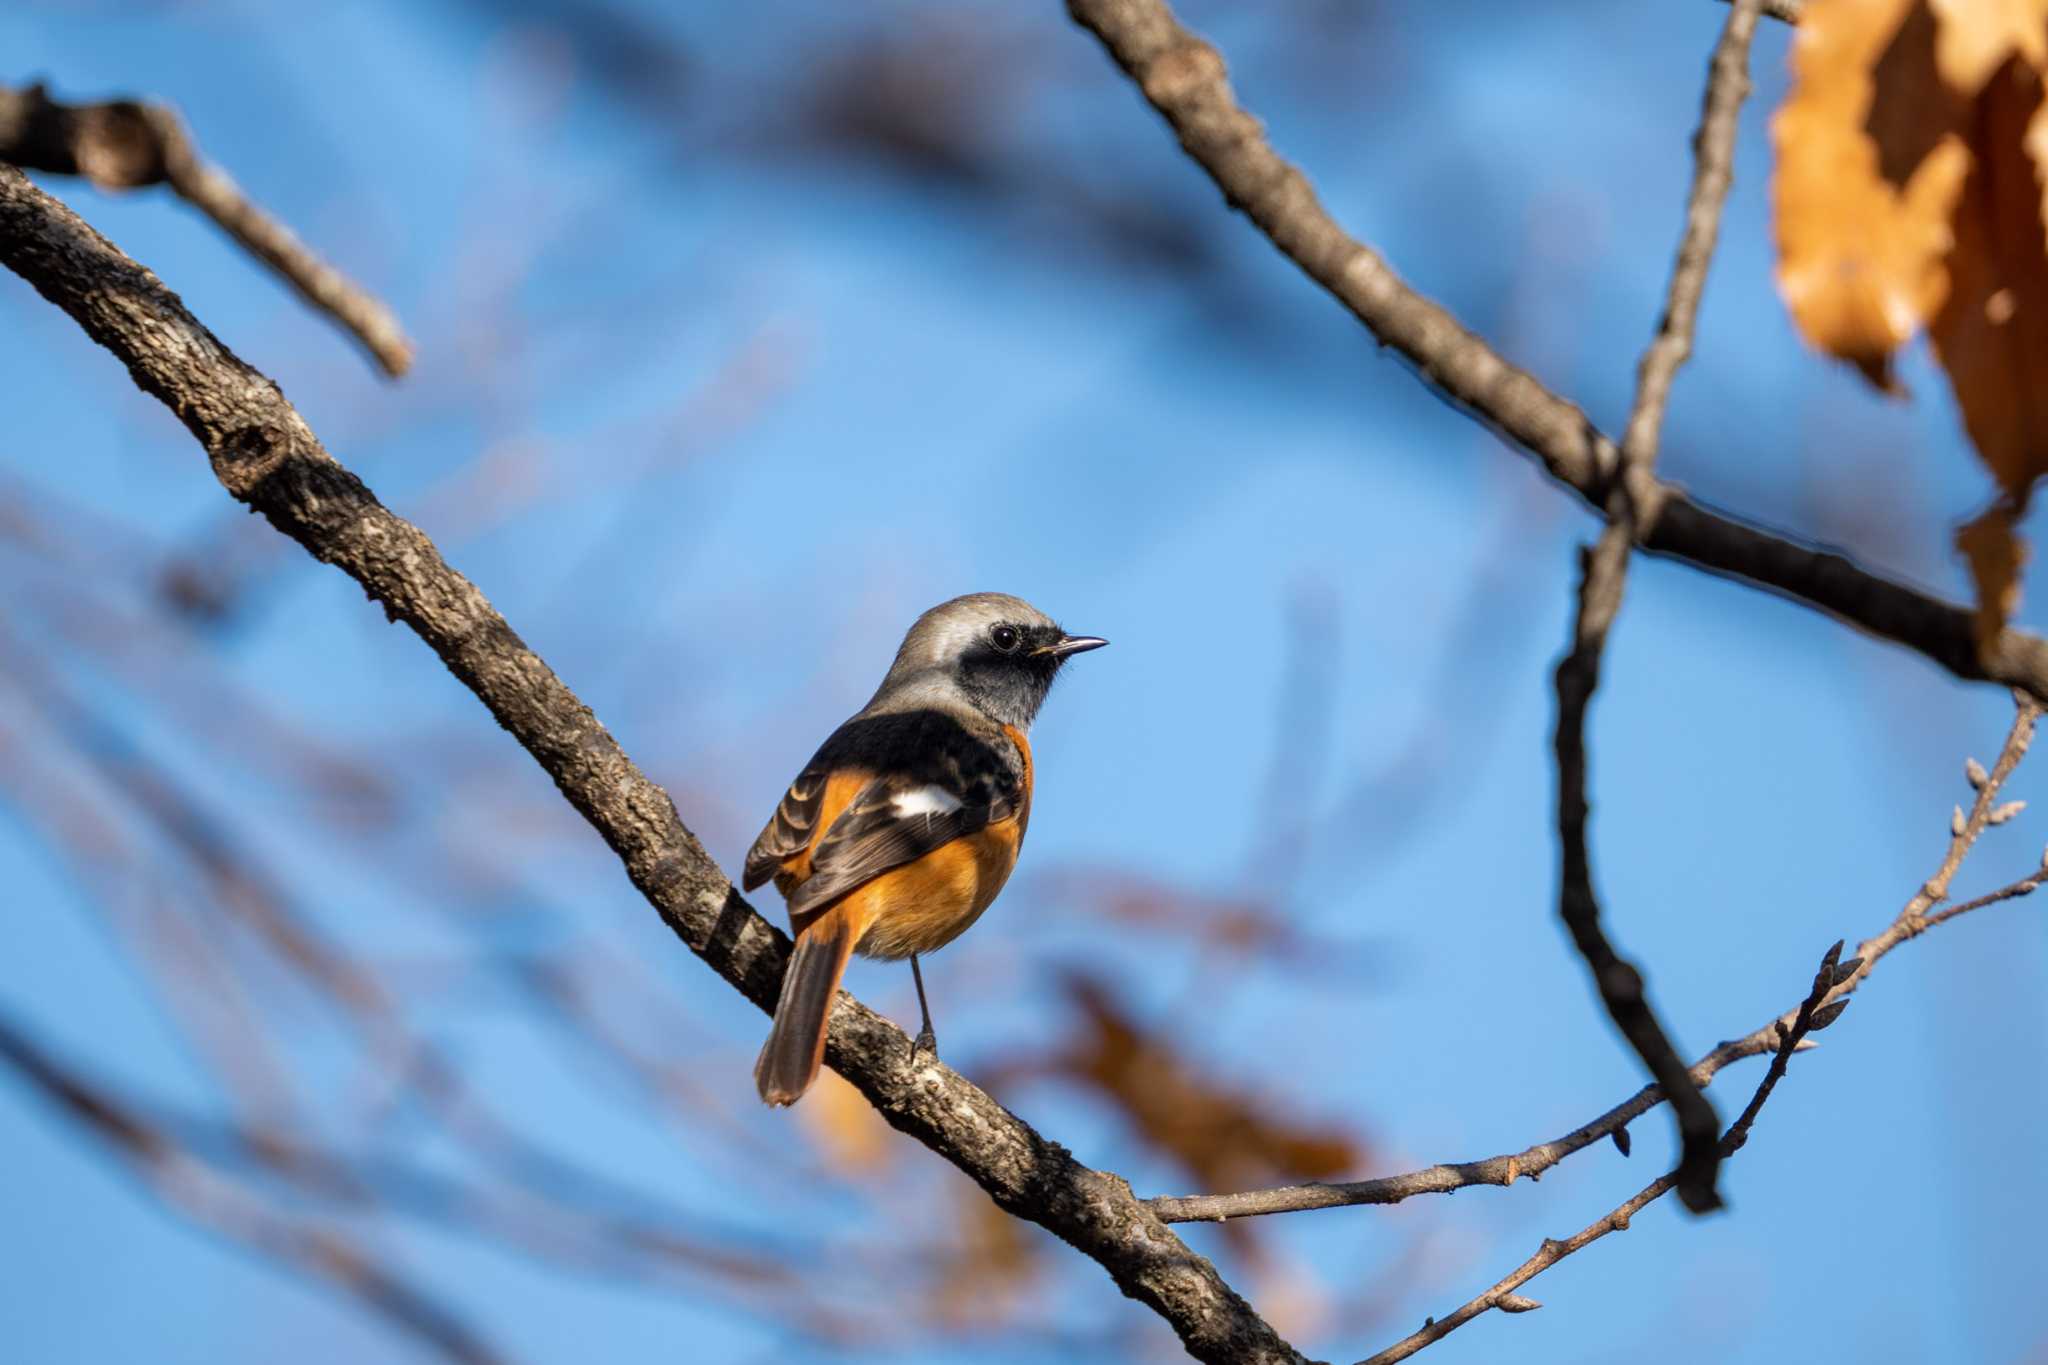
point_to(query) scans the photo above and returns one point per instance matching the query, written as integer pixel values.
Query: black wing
(791, 828)
(896, 820)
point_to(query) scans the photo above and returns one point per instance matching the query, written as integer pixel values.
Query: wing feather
(936, 782)
(789, 831)
(890, 823)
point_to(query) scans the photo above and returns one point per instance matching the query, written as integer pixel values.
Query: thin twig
(1823, 1004)
(1632, 508)
(265, 455)
(1713, 172)
(1184, 79)
(1809, 1017)
(127, 144)
(1912, 920)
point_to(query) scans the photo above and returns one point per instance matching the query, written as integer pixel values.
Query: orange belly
(921, 906)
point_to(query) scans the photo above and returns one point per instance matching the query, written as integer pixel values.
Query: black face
(1010, 669)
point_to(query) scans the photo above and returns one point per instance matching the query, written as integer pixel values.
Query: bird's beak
(1071, 644)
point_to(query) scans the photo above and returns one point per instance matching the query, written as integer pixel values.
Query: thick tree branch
(127, 144)
(265, 455)
(1185, 80)
(1912, 920)
(1632, 506)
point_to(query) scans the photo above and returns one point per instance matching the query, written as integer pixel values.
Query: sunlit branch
(1185, 80)
(265, 455)
(127, 144)
(1914, 918)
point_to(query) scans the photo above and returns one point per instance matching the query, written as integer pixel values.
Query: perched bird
(903, 827)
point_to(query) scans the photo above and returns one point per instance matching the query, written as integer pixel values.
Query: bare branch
(179, 1180)
(1632, 506)
(265, 455)
(126, 144)
(1532, 1162)
(1713, 172)
(1184, 79)
(1503, 1296)
(1821, 1007)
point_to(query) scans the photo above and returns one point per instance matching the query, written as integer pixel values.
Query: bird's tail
(795, 1048)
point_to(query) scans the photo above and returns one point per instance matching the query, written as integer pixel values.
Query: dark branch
(1503, 1296)
(1185, 81)
(265, 455)
(1619, 982)
(1632, 506)
(1912, 920)
(127, 144)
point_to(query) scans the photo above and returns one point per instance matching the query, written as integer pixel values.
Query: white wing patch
(928, 800)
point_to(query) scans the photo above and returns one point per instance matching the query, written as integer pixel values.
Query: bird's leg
(926, 1040)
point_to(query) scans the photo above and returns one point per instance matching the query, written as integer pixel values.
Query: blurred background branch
(883, 306)
(265, 455)
(127, 144)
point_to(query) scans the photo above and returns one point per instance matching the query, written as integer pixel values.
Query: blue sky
(748, 392)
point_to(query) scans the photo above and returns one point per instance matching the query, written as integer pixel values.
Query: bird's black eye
(1004, 638)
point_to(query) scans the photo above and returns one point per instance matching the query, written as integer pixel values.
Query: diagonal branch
(182, 1181)
(1632, 506)
(1184, 79)
(1912, 920)
(263, 452)
(127, 144)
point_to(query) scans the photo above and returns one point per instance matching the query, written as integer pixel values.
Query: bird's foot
(925, 1042)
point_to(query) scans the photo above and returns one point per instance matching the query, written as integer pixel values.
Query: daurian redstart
(903, 827)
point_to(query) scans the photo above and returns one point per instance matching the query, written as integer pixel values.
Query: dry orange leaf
(1225, 1138)
(847, 1131)
(1996, 557)
(1909, 194)
(1868, 170)
(1991, 334)
(1975, 37)
(987, 1270)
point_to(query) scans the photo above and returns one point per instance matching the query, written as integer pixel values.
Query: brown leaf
(1243, 929)
(1910, 193)
(1977, 36)
(848, 1133)
(1995, 555)
(987, 1270)
(1869, 167)
(1227, 1140)
(1991, 335)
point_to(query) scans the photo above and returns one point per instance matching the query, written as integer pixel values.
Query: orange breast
(922, 906)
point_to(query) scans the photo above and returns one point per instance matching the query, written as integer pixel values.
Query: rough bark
(264, 454)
